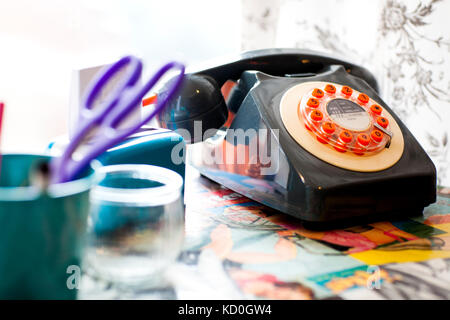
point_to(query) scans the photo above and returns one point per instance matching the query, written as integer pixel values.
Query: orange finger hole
(340, 147)
(376, 135)
(376, 109)
(364, 98)
(307, 127)
(312, 103)
(345, 136)
(328, 127)
(347, 90)
(382, 121)
(330, 88)
(358, 151)
(317, 93)
(316, 115)
(322, 139)
(363, 139)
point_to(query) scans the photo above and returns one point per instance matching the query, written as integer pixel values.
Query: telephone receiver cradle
(285, 143)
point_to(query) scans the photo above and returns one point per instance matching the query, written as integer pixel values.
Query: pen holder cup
(42, 234)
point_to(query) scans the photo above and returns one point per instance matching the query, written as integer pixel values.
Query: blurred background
(43, 41)
(406, 44)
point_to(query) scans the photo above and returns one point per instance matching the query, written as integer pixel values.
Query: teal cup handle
(42, 234)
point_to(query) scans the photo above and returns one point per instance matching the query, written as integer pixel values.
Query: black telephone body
(316, 118)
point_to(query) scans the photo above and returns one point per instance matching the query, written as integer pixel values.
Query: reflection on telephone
(307, 134)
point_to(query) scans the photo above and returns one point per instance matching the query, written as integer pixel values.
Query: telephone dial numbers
(347, 120)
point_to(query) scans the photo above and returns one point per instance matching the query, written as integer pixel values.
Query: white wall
(42, 41)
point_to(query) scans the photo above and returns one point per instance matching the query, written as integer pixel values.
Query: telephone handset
(202, 100)
(310, 137)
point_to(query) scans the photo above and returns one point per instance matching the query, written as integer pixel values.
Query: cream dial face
(341, 129)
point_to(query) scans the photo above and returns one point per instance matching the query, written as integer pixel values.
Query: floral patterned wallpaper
(406, 44)
(259, 23)
(414, 46)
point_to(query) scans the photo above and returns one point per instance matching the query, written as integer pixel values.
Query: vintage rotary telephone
(308, 135)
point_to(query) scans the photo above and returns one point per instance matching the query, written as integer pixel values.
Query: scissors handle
(116, 108)
(89, 117)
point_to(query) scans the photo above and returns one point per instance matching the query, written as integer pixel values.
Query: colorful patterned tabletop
(235, 248)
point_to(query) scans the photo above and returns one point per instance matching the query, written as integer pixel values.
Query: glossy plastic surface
(300, 184)
(42, 234)
(199, 98)
(159, 147)
(162, 148)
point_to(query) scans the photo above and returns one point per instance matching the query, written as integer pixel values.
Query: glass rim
(169, 190)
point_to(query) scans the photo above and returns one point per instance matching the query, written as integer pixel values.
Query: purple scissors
(123, 100)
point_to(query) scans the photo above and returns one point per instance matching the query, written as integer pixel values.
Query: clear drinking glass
(136, 224)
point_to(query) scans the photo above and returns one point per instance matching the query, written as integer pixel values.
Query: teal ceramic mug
(42, 234)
